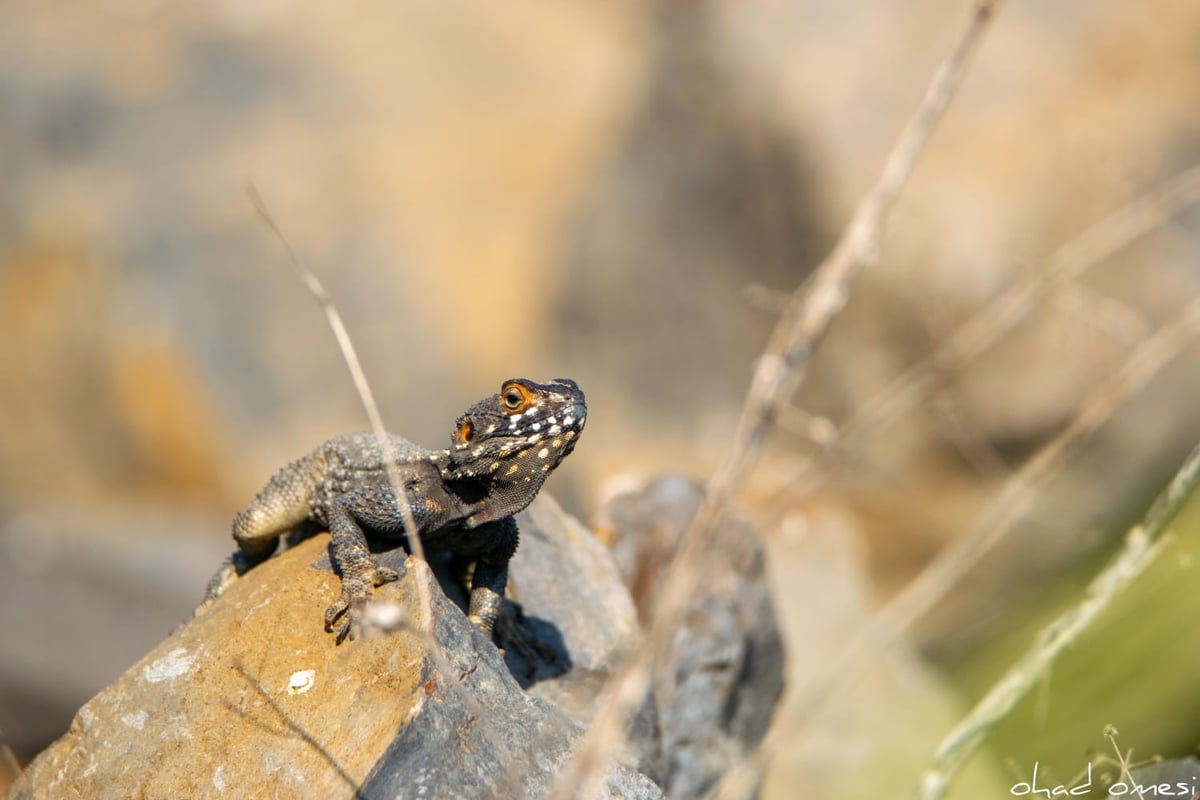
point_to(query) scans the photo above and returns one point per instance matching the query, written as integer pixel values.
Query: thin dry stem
(1143, 543)
(805, 320)
(350, 356)
(1012, 502)
(1066, 264)
(811, 310)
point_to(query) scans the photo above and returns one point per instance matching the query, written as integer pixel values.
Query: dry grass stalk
(804, 322)
(1002, 511)
(367, 397)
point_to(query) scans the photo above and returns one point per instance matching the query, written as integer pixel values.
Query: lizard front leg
(352, 560)
(490, 578)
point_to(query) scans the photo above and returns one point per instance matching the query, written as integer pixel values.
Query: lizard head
(517, 436)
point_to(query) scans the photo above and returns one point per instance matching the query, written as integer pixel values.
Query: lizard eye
(515, 397)
(465, 432)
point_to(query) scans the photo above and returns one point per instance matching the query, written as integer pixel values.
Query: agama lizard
(462, 499)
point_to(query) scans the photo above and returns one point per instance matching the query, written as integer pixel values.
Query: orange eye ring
(515, 397)
(466, 430)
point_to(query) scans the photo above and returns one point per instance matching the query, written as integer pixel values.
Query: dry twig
(1065, 265)
(1008, 505)
(804, 322)
(360, 385)
(425, 629)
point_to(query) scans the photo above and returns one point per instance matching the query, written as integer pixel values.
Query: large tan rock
(253, 699)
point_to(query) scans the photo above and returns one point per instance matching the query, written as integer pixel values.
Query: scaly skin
(462, 499)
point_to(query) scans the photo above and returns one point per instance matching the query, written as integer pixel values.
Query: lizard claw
(341, 618)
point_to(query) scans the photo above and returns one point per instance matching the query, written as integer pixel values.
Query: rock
(566, 575)
(252, 698)
(716, 692)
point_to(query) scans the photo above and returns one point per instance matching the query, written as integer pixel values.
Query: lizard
(462, 498)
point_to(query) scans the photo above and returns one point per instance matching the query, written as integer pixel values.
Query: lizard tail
(281, 506)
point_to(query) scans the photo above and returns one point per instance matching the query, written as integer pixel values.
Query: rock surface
(716, 691)
(252, 698)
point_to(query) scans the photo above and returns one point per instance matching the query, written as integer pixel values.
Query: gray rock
(717, 689)
(494, 742)
(566, 575)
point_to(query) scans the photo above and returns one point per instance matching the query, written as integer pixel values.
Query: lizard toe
(339, 620)
(341, 616)
(335, 611)
(344, 629)
(385, 575)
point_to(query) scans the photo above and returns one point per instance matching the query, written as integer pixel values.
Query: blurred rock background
(618, 192)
